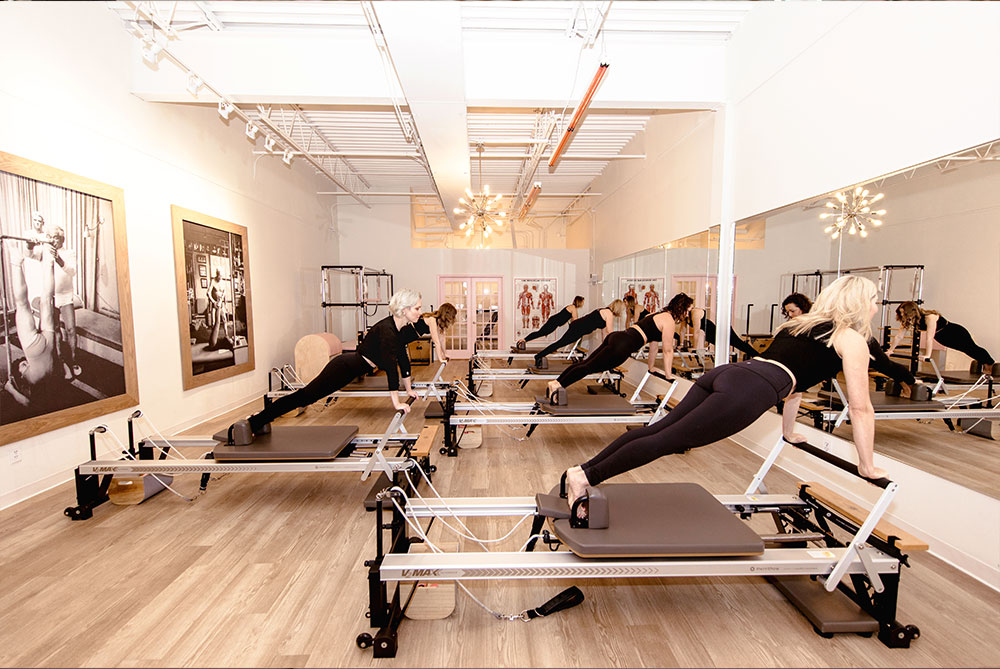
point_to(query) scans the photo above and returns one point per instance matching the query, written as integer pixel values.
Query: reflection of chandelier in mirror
(482, 209)
(855, 213)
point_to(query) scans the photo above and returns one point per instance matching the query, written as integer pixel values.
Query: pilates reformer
(705, 537)
(478, 374)
(286, 449)
(949, 380)
(367, 386)
(602, 408)
(574, 352)
(889, 405)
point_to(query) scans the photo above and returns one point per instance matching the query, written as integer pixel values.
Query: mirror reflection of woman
(807, 349)
(937, 328)
(570, 313)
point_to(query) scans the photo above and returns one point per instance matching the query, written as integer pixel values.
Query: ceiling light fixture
(151, 50)
(286, 157)
(225, 109)
(269, 143)
(194, 84)
(530, 200)
(855, 214)
(581, 109)
(252, 131)
(482, 208)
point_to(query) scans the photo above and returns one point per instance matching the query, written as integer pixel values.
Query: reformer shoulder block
(425, 442)
(848, 509)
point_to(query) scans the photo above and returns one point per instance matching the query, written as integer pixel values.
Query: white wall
(829, 94)
(380, 238)
(65, 102)
(662, 197)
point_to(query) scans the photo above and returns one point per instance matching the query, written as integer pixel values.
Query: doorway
(479, 322)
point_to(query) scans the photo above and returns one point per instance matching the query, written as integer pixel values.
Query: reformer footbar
(325, 449)
(870, 561)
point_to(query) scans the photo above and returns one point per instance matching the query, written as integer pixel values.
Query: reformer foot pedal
(521, 346)
(559, 397)
(541, 363)
(596, 504)
(829, 612)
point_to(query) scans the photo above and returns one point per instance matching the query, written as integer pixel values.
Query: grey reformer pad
(891, 403)
(371, 383)
(661, 520)
(588, 405)
(956, 377)
(300, 442)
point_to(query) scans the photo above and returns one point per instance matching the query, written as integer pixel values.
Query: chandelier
(483, 209)
(855, 213)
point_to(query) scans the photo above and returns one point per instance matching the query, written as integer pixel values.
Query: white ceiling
(438, 51)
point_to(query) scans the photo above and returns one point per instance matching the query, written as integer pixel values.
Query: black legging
(734, 339)
(550, 325)
(338, 373)
(718, 405)
(577, 329)
(613, 351)
(957, 337)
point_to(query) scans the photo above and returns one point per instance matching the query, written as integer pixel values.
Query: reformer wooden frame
(189, 379)
(30, 427)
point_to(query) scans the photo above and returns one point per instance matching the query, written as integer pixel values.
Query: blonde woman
(807, 349)
(581, 327)
(381, 347)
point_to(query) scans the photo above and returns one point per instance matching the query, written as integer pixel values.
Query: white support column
(724, 127)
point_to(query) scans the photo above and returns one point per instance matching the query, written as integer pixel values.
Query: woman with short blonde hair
(806, 350)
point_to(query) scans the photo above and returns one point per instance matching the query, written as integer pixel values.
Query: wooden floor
(266, 570)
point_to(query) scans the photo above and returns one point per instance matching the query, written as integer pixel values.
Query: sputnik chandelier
(483, 209)
(856, 214)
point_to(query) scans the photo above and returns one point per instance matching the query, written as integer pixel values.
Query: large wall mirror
(938, 244)
(655, 275)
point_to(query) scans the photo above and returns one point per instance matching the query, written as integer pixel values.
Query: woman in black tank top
(947, 333)
(731, 397)
(618, 346)
(570, 313)
(603, 318)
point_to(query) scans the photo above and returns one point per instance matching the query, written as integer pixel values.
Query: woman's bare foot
(868, 473)
(576, 485)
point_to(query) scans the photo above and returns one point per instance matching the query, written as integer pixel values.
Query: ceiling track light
(286, 157)
(151, 50)
(194, 84)
(225, 109)
(251, 131)
(269, 143)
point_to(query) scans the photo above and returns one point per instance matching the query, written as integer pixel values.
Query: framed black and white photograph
(213, 297)
(67, 336)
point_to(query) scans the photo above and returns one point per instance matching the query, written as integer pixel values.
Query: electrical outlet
(15, 455)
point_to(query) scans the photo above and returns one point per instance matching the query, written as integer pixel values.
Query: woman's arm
(436, 337)
(932, 320)
(788, 415)
(853, 349)
(667, 342)
(896, 340)
(697, 315)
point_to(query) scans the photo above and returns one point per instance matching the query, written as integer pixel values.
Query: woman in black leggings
(581, 327)
(938, 329)
(806, 350)
(699, 320)
(618, 346)
(571, 312)
(381, 347)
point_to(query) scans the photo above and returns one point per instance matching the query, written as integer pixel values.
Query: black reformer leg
(450, 447)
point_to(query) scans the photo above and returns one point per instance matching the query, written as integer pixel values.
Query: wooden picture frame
(81, 360)
(214, 312)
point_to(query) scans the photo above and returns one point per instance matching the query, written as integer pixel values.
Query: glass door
(479, 321)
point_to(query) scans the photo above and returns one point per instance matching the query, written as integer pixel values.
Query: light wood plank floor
(267, 570)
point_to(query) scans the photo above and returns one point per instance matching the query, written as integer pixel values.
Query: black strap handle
(566, 599)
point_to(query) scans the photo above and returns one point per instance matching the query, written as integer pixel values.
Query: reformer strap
(566, 599)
